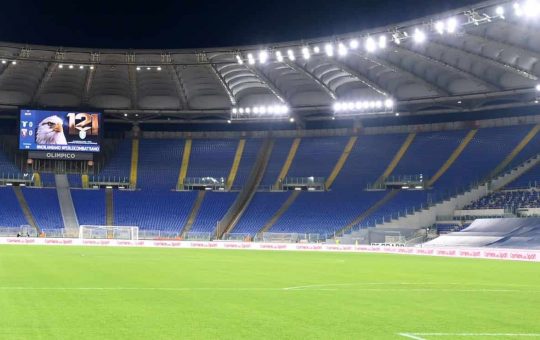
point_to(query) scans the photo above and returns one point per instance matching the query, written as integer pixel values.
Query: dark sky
(186, 24)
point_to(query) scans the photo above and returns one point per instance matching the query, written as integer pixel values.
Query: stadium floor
(134, 293)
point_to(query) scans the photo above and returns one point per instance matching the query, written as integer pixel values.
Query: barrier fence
(479, 253)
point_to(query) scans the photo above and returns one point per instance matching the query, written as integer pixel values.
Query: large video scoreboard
(59, 131)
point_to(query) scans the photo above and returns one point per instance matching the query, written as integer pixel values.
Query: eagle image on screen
(50, 131)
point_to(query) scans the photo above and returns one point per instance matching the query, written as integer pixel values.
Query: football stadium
(378, 184)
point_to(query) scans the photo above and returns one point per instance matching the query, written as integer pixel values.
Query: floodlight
(239, 59)
(329, 50)
(251, 60)
(419, 36)
(451, 25)
(263, 57)
(290, 54)
(316, 49)
(353, 44)
(342, 49)
(305, 53)
(59, 66)
(370, 45)
(382, 42)
(138, 68)
(279, 56)
(500, 11)
(389, 103)
(71, 66)
(439, 27)
(538, 87)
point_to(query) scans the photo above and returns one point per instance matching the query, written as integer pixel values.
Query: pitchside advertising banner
(60, 131)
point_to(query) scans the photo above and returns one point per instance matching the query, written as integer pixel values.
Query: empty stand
(90, 206)
(11, 214)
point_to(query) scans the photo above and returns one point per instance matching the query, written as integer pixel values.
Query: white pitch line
(290, 289)
(411, 336)
(419, 336)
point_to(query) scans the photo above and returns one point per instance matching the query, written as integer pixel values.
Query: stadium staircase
(109, 206)
(235, 212)
(194, 212)
(288, 162)
(236, 163)
(134, 163)
(395, 161)
(455, 154)
(26, 209)
(427, 217)
(69, 216)
(341, 161)
(185, 164)
(284, 207)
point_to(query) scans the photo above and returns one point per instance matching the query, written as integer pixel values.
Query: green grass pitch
(136, 293)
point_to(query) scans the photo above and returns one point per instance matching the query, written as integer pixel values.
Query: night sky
(196, 24)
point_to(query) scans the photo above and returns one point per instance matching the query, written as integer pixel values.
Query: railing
(17, 178)
(157, 234)
(197, 236)
(109, 181)
(310, 183)
(207, 183)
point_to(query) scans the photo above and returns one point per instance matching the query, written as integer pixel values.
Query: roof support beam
(485, 59)
(223, 83)
(360, 77)
(454, 68)
(88, 85)
(51, 68)
(304, 71)
(268, 83)
(180, 88)
(132, 77)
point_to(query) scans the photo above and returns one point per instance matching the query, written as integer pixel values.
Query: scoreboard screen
(59, 131)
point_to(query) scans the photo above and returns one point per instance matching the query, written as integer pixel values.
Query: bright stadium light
(353, 44)
(279, 56)
(290, 54)
(239, 59)
(14, 62)
(342, 50)
(138, 68)
(316, 49)
(329, 50)
(59, 66)
(500, 11)
(263, 57)
(439, 27)
(337, 106)
(451, 25)
(395, 38)
(235, 110)
(305, 53)
(370, 45)
(4, 61)
(71, 66)
(91, 67)
(291, 120)
(419, 36)
(538, 87)
(81, 67)
(389, 103)
(229, 121)
(251, 60)
(382, 42)
(159, 68)
(531, 8)
(148, 68)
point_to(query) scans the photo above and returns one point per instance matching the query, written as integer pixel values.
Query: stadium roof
(474, 58)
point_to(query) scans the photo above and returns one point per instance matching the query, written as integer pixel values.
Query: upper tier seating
(11, 214)
(119, 164)
(212, 158)
(45, 207)
(280, 151)
(7, 168)
(316, 156)
(487, 149)
(159, 163)
(89, 206)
